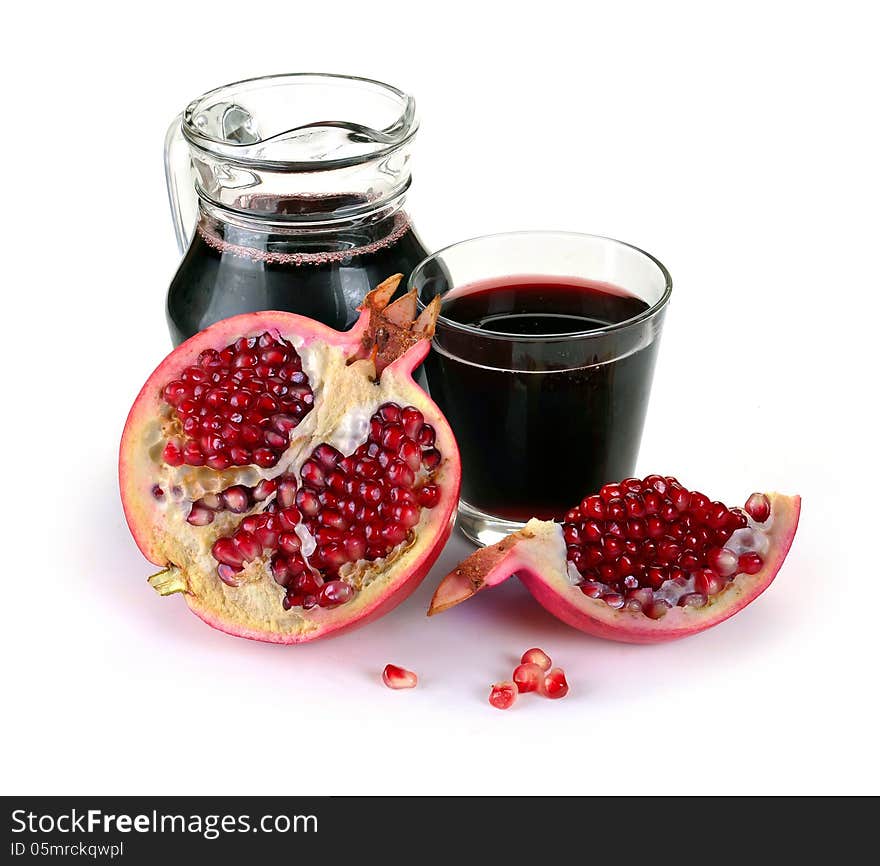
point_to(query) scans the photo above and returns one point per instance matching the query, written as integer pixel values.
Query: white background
(738, 144)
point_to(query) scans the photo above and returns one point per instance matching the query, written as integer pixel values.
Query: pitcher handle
(179, 179)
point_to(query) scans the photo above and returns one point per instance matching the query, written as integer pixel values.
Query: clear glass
(542, 419)
(284, 191)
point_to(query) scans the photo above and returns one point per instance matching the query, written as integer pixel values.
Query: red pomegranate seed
(355, 546)
(307, 502)
(412, 421)
(431, 459)
(503, 695)
(289, 543)
(326, 535)
(399, 678)
(224, 550)
(312, 474)
(707, 582)
(656, 609)
(236, 499)
(247, 545)
(594, 507)
(172, 454)
(635, 506)
(528, 677)
(307, 583)
(653, 501)
(392, 437)
(722, 561)
(228, 574)
(281, 570)
(267, 537)
(758, 507)
(592, 531)
(335, 592)
(427, 436)
(750, 563)
(288, 519)
(610, 491)
(390, 412)
(393, 533)
(693, 599)
(264, 457)
(643, 595)
(555, 684)
(615, 509)
(536, 656)
(399, 474)
(406, 515)
(327, 455)
(411, 454)
(199, 515)
(332, 555)
(612, 546)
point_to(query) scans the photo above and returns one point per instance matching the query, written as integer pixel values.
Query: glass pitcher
(287, 193)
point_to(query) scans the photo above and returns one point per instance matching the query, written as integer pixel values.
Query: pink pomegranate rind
(253, 608)
(536, 554)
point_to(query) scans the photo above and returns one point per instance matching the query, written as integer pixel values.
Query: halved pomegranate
(292, 480)
(642, 561)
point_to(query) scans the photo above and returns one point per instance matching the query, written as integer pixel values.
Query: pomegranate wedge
(291, 480)
(642, 561)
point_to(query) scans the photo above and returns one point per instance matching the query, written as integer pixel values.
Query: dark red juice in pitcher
(541, 418)
(230, 269)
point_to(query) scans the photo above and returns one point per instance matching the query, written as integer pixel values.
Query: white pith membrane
(254, 607)
(539, 556)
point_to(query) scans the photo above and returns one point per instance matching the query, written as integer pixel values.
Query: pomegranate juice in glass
(542, 362)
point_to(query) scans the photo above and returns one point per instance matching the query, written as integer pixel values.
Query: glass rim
(638, 319)
(390, 138)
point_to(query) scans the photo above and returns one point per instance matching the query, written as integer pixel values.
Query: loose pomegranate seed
(555, 684)
(503, 695)
(399, 678)
(528, 677)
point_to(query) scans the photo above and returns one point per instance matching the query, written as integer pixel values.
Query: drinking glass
(542, 361)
